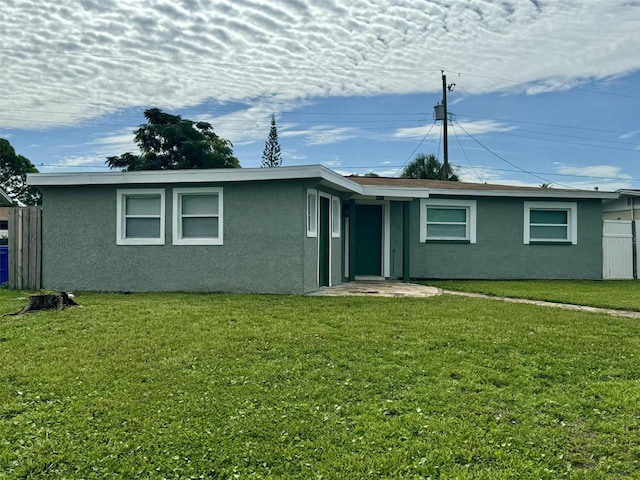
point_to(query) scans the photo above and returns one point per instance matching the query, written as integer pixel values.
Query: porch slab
(378, 288)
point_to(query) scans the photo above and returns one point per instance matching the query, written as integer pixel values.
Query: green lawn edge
(614, 294)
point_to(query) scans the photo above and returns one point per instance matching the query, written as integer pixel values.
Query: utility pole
(441, 113)
(445, 163)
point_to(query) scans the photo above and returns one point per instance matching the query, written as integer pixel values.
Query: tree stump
(54, 301)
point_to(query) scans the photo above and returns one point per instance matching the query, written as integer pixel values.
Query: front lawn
(618, 294)
(248, 386)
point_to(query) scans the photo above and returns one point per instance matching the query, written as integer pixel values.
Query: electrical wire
(540, 82)
(465, 154)
(414, 150)
(545, 180)
(540, 123)
(567, 142)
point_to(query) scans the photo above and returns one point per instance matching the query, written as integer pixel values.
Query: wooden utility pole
(445, 163)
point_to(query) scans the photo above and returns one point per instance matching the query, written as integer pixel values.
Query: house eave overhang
(222, 175)
(323, 175)
(542, 193)
(629, 193)
(394, 192)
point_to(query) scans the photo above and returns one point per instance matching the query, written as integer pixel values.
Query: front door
(368, 225)
(324, 239)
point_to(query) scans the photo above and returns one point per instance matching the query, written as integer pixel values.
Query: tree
(13, 175)
(427, 167)
(169, 142)
(271, 153)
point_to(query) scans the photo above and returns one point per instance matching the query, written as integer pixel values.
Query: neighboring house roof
(629, 192)
(363, 186)
(5, 200)
(441, 187)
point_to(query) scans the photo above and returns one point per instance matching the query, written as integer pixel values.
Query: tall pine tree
(271, 153)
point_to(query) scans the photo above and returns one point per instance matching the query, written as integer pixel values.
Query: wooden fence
(25, 248)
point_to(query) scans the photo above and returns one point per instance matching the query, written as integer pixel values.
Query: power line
(545, 180)
(465, 153)
(542, 124)
(415, 149)
(541, 83)
(567, 142)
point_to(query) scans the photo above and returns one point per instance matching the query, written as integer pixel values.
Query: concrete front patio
(378, 288)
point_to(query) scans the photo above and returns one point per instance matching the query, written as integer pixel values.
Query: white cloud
(472, 128)
(72, 61)
(322, 134)
(629, 135)
(78, 161)
(603, 172)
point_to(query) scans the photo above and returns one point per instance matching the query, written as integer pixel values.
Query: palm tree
(427, 167)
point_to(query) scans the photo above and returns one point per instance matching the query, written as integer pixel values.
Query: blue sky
(545, 92)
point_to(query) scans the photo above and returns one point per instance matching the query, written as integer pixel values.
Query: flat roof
(442, 187)
(365, 186)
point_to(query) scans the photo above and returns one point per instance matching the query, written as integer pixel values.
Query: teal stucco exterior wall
(396, 239)
(500, 252)
(265, 247)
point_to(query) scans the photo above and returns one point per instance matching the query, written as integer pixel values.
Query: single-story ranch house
(295, 229)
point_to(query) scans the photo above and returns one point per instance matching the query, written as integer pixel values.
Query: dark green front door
(368, 252)
(324, 238)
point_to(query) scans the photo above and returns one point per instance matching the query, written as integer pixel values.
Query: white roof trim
(192, 176)
(331, 178)
(630, 193)
(5, 200)
(542, 193)
(398, 192)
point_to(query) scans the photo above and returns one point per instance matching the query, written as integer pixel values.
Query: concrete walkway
(389, 288)
(566, 306)
(378, 288)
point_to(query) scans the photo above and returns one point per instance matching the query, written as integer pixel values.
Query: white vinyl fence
(618, 245)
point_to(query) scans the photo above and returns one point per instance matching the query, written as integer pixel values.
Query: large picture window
(448, 220)
(197, 216)
(550, 222)
(140, 217)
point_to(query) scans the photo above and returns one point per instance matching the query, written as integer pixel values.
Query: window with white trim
(312, 213)
(550, 222)
(140, 216)
(336, 216)
(448, 220)
(197, 216)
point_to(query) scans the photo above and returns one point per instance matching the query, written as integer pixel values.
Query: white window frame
(336, 216)
(469, 205)
(121, 216)
(572, 221)
(312, 212)
(178, 193)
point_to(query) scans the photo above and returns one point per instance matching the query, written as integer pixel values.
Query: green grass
(233, 386)
(617, 294)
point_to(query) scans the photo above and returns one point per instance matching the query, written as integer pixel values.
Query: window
(140, 217)
(197, 216)
(312, 213)
(336, 216)
(448, 220)
(554, 222)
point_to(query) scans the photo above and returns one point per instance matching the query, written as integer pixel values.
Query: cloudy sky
(545, 91)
